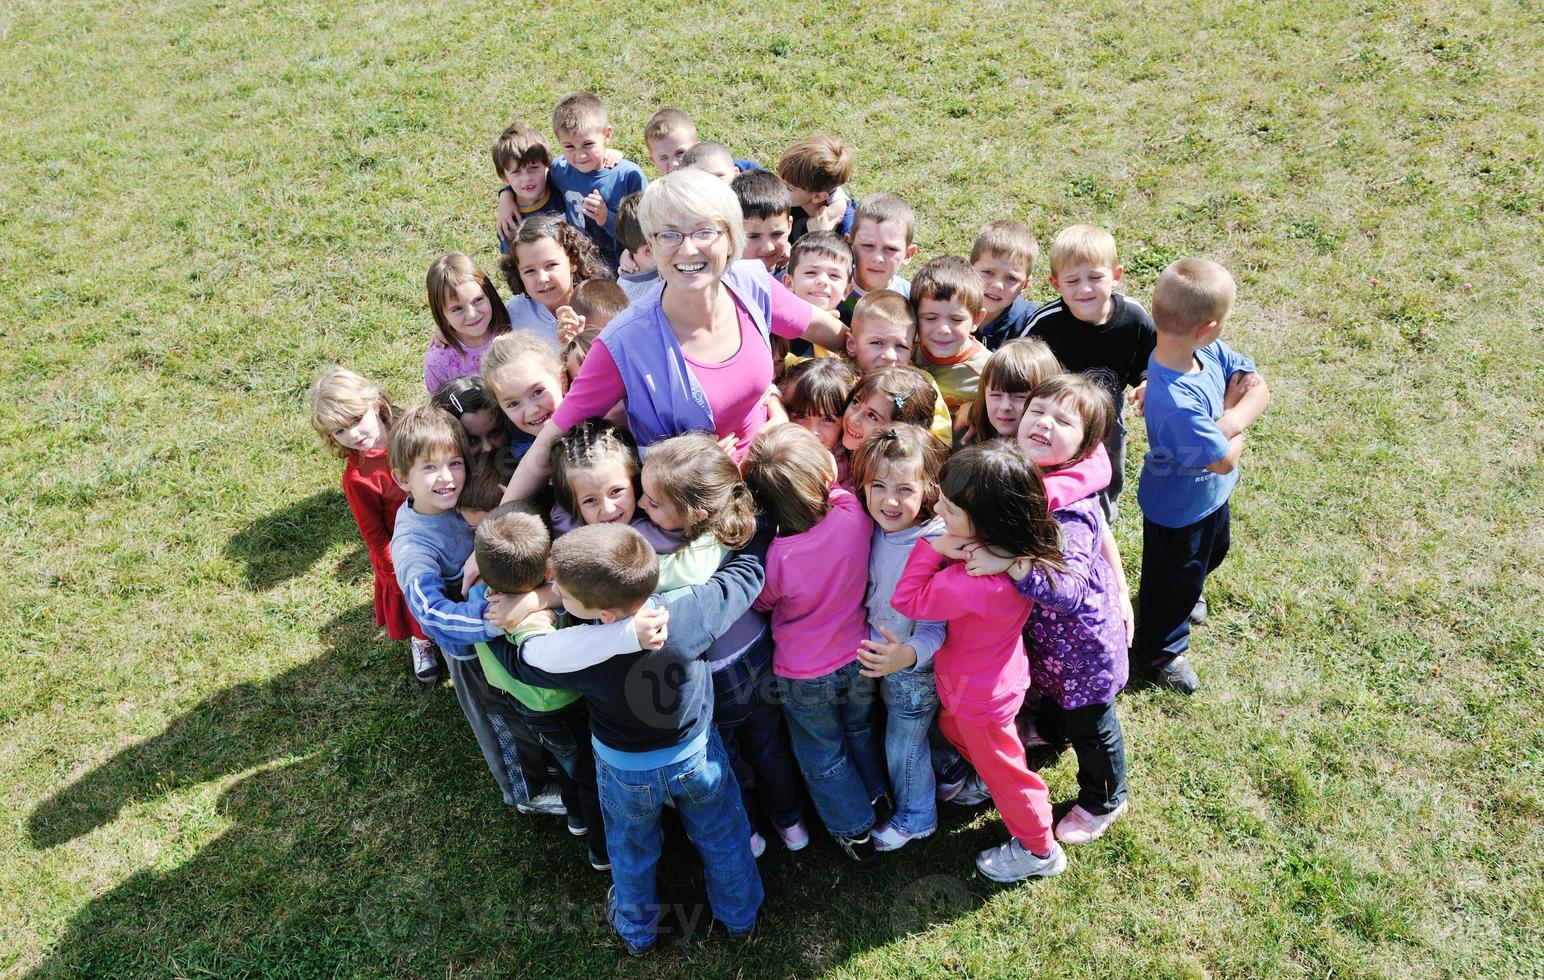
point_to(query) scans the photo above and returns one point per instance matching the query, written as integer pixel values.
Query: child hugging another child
(468, 317)
(815, 168)
(547, 259)
(354, 419)
(522, 160)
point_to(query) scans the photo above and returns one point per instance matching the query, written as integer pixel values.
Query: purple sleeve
(790, 315)
(598, 387)
(1065, 592)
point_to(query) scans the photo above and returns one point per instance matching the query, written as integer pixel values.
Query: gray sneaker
(548, 802)
(1198, 612)
(1177, 675)
(1013, 862)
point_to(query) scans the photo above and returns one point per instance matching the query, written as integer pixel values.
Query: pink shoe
(795, 838)
(1081, 827)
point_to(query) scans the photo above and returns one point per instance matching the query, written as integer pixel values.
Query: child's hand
(626, 264)
(595, 208)
(1238, 387)
(829, 215)
(570, 325)
(611, 158)
(649, 625)
(508, 612)
(879, 659)
(981, 560)
(957, 549)
(1128, 616)
(538, 620)
(509, 216)
(1138, 397)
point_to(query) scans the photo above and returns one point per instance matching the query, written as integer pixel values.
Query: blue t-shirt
(1176, 488)
(613, 184)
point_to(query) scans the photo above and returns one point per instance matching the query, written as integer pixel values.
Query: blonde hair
(887, 305)
(514, 347)
(816, 164)
(455, 269)
(691, 194)
(577, 113)
(1017, 367)
(692, 472)
(948, 278)
(1191, 292)
(1082, 245)
(790, 473)
(879, 208)
(1088, 401)
(1009, 240)
(667, 123)
(902, 443)
(339, 396)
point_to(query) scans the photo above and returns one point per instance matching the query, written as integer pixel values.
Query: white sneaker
(426, 661)
(888, 837)
(758, 844)
(1014, 862)
(548, 802)
(1081, 827)
(795, 838)
(970, 791)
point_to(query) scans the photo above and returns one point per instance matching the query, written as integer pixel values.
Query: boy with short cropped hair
(669, 134)
(522, 160)
(883, 231)
(715, 158)
(884, 334)
(1094, 330)
(1201, 396)
(645, 281)
(948, 299)
(820, 269)
(591, 191)
(765, 208)
(1004, 256)
(815, 168)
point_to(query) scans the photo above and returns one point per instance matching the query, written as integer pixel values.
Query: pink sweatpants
(998, 755)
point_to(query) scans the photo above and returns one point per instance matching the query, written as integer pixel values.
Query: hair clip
(455, 402)
(899, 401)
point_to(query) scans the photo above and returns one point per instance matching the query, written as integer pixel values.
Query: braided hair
(590, 444)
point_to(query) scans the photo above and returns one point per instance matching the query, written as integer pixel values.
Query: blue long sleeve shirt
(428, 552)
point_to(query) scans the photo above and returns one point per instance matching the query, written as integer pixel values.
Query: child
(815, 168)
(522, 160)
(816, 571)
(692, 489)
(524, 374)
(483, 492)
(815, 397)
(715, 158)
(595, 481)
(1096, 331)
(669, 134)
(468, 315)
(899, 394)
(883, 333)
(989, 492)
(354, 420)
(1004, 257)
(1201, 397)
(547, 259)
(947, 297)
(576, 350)
(768, 218)
(468, 399)
(639, 254)
(595, 303)
(591, 191)
(650, 724)
(819, 269)
(1011, 373)
(896, 473)
(883, 229)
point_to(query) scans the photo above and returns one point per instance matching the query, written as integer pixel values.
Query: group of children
(881, 606)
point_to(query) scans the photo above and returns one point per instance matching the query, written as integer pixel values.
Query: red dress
(374, 497)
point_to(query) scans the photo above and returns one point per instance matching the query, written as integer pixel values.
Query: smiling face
(1088, 290)
(433, 484)
(1051, 433)
(483, 432)
(865, 415)
(1004, 409)
(691, 266)
(956, 521)
(894, 494)
(944, 326)
(876, 342)
(528, 182)
(545, 272)
(468, 313)
(820, 281)
(766, 239)
(604, 493)
(667, 151)
(879, 249)
(528, 392)
(363, 435)
(585, 151)
(664, 514)
(1002, 281)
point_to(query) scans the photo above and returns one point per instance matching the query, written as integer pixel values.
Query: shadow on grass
(368, 839)
(286, 543)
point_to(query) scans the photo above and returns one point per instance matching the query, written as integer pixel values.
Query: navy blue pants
(1175, 563)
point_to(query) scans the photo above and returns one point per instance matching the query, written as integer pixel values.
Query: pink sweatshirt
(1082, 479)
(814, 589)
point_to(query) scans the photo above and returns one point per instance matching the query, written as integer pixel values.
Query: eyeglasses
(703, 237)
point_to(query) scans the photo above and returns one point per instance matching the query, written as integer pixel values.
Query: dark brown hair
(452, 270)
(1088, 400)
(589, 444)
(909, 390)
(421, 431)
(946, 278)
(819, 387)
(1016, 367)
(1002, 493)
(583, 257)
(605, 566)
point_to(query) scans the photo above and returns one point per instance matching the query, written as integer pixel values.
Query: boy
(651, 722)
(1201, 396)
(815, 168)
(595, 303)
(765, 208)
(820, 269)
(715, 158)
(522, 161)
(883, 227)
(1096, 331)
(667, 136)
(1004, 257)
(645, 279)
(591, 192)
(883, 334)
(947, 297)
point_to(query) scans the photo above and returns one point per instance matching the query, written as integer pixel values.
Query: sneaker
(427, 666)
(596, 861)
(1177, 675)
(1081, 827)
(860, 849)
(970, 791)
(795, 837)
(548, 803)
(888, 837)
(742, 938)
(1198, 612)
(611, 917)
(1014, 862)
(758, 845)
(576, 825)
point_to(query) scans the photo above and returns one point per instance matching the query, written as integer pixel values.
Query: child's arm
(578, 647)
(1244, 401)
(507, 611)
(694, 564)
(1063, 592)
(923, 592)
(706, 612)
(443, 620)
(365, 504)
(1111, 552)
(773, 399)
(509, 213)
(895, 654)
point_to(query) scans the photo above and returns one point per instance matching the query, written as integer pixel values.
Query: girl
(692, 488)
(353, 419)
(1006, 380)
(468, 315)
(468, 399)
(525, 376)
(816, 572)
(993, 493)
(547, 258)
(896, 472)
(1077, 641)
(900, 394)
(814, 394)
(576, 350)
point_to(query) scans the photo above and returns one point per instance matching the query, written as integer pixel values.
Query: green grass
(212, 765)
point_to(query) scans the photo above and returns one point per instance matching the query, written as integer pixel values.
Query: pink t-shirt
(814, 589)
(443, 362)
(734, 388)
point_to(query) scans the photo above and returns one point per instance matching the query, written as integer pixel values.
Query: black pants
(1175, 563)
(1096, 738)
(565, 733)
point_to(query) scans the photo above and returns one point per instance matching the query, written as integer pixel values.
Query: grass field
(211, 764)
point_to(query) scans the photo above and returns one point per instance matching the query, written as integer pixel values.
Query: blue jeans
(1096, 738)
(566, 734)
(751, 725)
(830, 722)
(912, 699)
(707, 797)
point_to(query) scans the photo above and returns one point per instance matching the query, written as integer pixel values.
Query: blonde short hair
(1191, 292)
(887, 305)
(692, 194)
(1082, 245)
(880, 208)
(338, 397)
(577, 113)
(667, 123)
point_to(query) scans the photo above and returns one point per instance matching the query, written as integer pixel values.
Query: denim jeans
(1175, 563)
(566, 734)
(707, 797)
(831, 727)
(514, 757)
(911, 700)
(1096, 738)
(751, 725)
(1115, 445)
